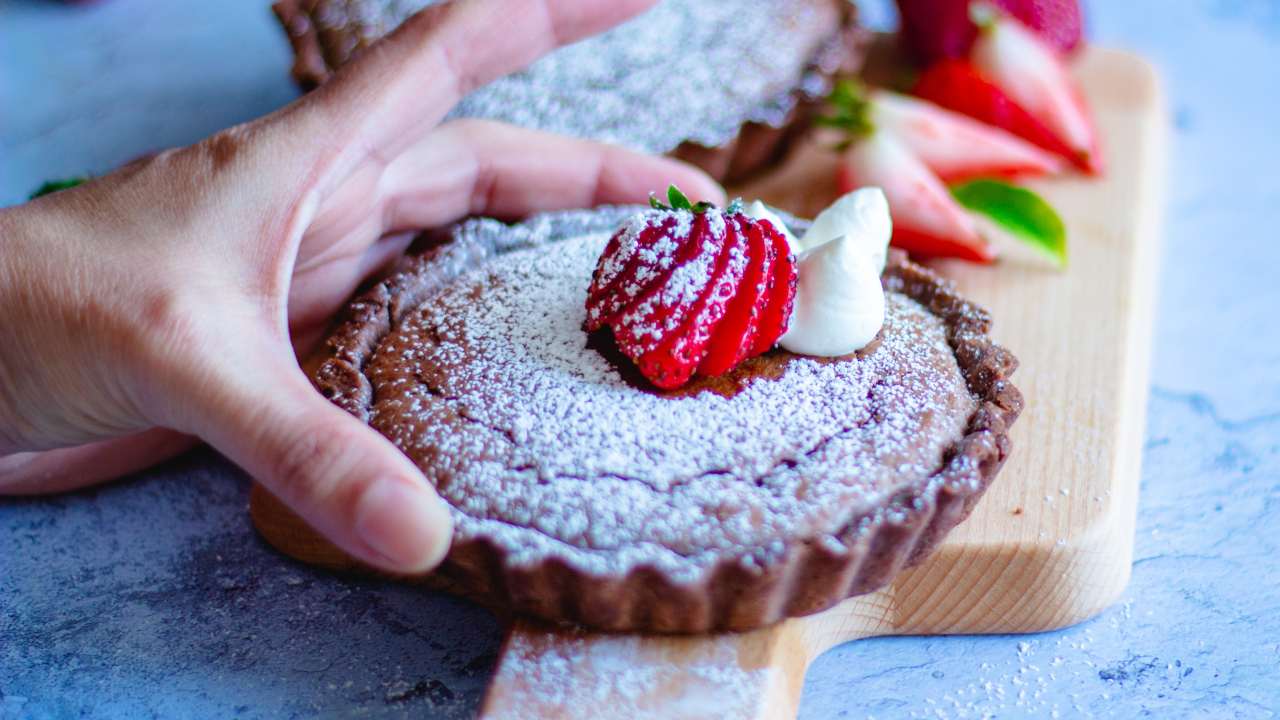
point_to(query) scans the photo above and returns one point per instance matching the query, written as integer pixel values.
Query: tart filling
(542, 445)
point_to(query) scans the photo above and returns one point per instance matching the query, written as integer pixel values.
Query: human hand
(165, 302)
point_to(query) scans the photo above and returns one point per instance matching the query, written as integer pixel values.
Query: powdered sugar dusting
(542, 447)
(630, 675)
(664, 308)
(684, 70)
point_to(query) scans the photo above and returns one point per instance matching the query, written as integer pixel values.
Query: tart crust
(795, 575)
(326, 34)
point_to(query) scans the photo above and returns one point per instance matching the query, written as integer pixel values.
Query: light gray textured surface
(154, 598)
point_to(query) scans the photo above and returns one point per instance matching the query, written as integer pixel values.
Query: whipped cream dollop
(839, 303)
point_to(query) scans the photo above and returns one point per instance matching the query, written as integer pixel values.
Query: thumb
(347, 481)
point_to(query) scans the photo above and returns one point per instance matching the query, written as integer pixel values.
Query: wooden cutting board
(1051, 542)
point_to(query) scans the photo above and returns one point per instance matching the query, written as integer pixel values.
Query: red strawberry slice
(938, 29)
(781, 295)
(736, 334)
(926, 219)
(674, 361)
(1033, 75)
(638, 256)
(662, 309)
(955, 146)
(957, 85)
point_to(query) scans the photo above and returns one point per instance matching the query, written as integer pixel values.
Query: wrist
(54, 370)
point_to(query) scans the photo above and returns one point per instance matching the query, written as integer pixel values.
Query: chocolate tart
(581, 495)
(725, 84)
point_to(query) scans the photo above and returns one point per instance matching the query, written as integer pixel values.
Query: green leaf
(1024, 214)
(850, 109)
(678, 199)
(52, 186)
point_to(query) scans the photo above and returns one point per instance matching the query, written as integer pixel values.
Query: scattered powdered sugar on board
(684, 70)
(543, 448)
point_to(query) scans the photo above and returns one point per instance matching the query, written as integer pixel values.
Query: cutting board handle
(571, 675)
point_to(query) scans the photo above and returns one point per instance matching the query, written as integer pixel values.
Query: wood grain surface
(1051, 542)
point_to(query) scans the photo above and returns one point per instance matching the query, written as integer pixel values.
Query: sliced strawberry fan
(689, 289)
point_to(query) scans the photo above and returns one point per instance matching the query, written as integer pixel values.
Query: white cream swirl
(839, 304)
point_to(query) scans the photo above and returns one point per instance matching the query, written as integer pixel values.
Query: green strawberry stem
(52, 186)
(1022, 213)
(850, 110)
(678, 201)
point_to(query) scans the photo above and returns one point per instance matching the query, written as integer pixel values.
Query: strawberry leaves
(678, 201)
(1018, 211)
(850, 111)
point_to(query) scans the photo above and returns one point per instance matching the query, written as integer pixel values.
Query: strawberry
(958, 86)
(926, 220)
(737, 332)
(662, 308)
(954, 146)
(776, 315)
(674, 361)
(683, 283)
(938, 29)
(1034, 76)
(646, 248)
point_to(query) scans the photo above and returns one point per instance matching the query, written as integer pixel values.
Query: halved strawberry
(957, 85)
(776, 315)
(1033, 75)
(926, 219)
(955, 146)
(733, 336)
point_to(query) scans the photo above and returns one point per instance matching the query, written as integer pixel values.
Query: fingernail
(405, 523)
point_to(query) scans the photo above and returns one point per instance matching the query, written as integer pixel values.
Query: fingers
(71, 468)
(337, 473)
(322, 283)
(478, 167)
(413, 77)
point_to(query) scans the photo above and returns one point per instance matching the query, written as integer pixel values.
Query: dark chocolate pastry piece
(721, 83)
